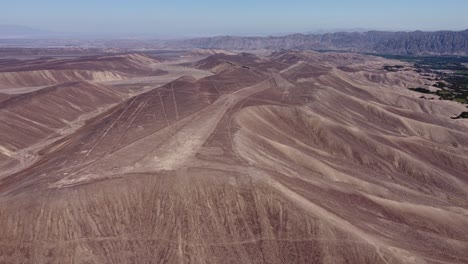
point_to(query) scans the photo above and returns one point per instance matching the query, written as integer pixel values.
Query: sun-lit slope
(364, 148)
(209, 52)
(43, 72)
(220, 62)
(133, 129)
(51, 77)
(202, 215)
(311, 160)
(123, 62)
(30, 118)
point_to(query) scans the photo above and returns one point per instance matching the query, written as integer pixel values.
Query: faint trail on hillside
(163, 107)
(215, 86)
(318, 210)
(175, 102)
(130, 121)
(107, 130)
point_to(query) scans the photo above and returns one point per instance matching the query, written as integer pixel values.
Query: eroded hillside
(297, 157)
(45, 72)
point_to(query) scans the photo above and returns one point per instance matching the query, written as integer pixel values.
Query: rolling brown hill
(40, 116)
(45, 72)
(298, 157)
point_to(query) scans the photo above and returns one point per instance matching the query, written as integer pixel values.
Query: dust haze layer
(295, 157)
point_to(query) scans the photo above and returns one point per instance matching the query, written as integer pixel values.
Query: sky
(239, 17)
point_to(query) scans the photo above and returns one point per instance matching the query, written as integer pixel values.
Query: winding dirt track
(298, 157)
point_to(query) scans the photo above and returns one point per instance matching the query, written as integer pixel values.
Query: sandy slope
(32, 120)
(293, 158)
(46, 72)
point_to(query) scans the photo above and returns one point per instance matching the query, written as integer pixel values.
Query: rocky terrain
(403, 43)
(294, 157)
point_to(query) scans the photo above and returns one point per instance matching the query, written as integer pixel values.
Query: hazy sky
(241, 17)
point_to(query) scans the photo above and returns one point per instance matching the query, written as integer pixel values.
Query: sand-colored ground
(298, 157)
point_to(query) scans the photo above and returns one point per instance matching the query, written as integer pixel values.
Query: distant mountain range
(382, 42)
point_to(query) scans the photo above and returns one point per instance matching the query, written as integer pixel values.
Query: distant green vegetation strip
(451, 75)
(462, 115)
(433, 62)
(444, 94)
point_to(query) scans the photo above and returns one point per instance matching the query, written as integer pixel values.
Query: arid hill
(296, 157)
(45, 72)
(37, 117)
(208, 52)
